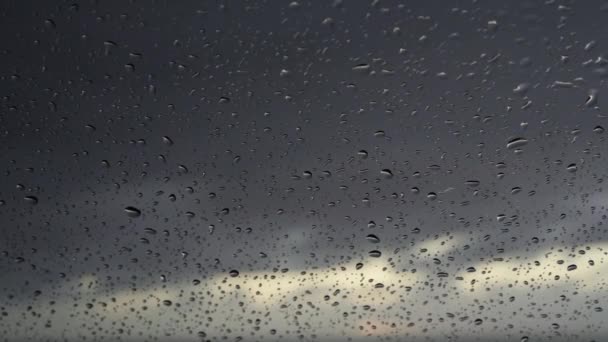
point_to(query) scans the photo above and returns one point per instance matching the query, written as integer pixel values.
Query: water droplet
(33, 200)
(516, 142)
(521, 88)
(572, 168)
(362, 67)
(379, 134)
(386, 173)
(108, 46)
(375, 254)
(49, 23)
(234, 273)
(132, 212)
(591, 98)
(372, 238)
(472, 183)
(492, 25)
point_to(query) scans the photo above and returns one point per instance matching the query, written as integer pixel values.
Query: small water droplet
(516, 142)
(591, 98)
(472, 183)
(33, 200)
(386, 173)
(362, 67)
(167, 141)
(372, 238)
(132, 212)
(375, 254)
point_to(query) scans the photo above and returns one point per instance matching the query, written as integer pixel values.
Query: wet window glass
(336, 170)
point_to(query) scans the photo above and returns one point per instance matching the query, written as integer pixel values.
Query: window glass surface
(303, 170)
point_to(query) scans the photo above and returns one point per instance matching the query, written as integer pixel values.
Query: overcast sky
(306, 171)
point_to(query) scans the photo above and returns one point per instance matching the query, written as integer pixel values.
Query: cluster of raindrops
(302, 170)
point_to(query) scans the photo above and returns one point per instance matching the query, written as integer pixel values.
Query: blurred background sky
(303, 171)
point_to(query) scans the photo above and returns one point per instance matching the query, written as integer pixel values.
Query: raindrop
(375, 254)
(591, 98)
(167, 141)
(379, 134)
(516, 142)
(362, 67)
(472, 183)
(108, 46)
(49, 23)
(386, 173)
(372, 238)
(33, 200)
(521, 88)
(132, 211)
